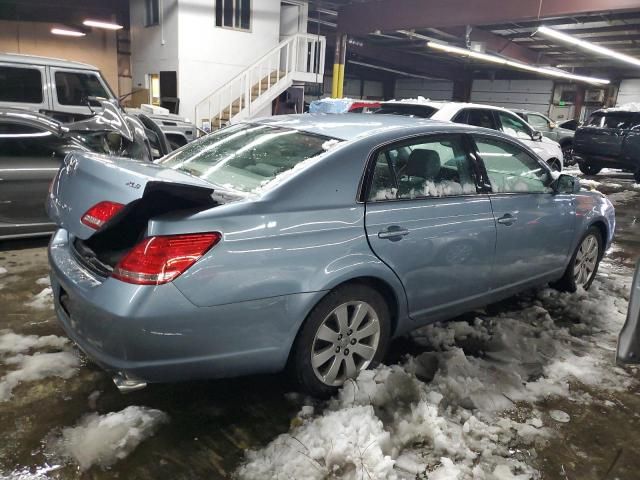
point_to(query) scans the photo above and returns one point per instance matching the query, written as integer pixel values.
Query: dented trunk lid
(87, 179)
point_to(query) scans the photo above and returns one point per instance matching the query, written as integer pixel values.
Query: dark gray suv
(609, 138)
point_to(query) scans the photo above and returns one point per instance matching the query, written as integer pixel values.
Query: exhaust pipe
(126, 384)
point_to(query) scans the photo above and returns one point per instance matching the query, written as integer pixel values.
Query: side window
(73, 88)
(477, 117)
(512, 125)
(426, 167)
(511, 169)
(26, 141)
(538, 121)
(21, 85)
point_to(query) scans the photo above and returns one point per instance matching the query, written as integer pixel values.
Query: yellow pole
(337, 81)
(334, 80)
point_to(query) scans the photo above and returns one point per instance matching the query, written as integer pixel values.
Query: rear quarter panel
(307, 235)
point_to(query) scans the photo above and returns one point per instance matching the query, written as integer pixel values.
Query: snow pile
(590, 184)
(446, 413)
(14, 343)
(3, 270)
(37, 367)
(46, 281)
(42, 300)
(629, 107)
(104, 439)
(28, 368)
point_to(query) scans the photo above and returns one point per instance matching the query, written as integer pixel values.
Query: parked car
(32, 149)
(551, 130)
(61, 89)
(628, 351)
(609, 138)
(486, 116)
(307, 241)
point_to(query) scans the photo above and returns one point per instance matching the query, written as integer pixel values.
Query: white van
(61, 89)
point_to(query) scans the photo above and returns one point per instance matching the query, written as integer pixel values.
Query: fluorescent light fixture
(101, 24)
(592, 47)
(67, 32)
(553, 72)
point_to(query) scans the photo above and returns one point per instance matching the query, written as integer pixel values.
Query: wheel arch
(604, 231)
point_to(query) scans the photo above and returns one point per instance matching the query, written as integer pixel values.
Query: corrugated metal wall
(529, 94)
(629, 91)
(432, 89)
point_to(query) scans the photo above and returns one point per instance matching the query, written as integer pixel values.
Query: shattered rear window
(246, 157)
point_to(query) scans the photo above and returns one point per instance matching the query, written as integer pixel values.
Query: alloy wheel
(586, 260)
(345, 343)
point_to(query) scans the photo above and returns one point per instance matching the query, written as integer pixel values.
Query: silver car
(306, 241)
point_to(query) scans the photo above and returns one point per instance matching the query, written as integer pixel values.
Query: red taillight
(161, 259)
(100, 214)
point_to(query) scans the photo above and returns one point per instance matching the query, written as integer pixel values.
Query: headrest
(423, 163)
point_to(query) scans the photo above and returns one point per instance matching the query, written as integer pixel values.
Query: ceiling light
(67, 32)
(592, 47)
(510, 63)
(100, 24)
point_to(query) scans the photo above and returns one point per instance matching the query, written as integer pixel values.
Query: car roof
(352, 126)
(37, 60)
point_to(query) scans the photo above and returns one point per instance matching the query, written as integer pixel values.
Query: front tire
(584, 263)
(346, 332)
(567, 153)
(589, 169)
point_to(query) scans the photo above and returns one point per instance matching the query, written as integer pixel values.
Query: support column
(337, 84)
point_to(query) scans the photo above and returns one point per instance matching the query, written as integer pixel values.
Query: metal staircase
(298, 58)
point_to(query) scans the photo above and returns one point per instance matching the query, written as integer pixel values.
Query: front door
(28, 163)
(534, 224)
(427, 219)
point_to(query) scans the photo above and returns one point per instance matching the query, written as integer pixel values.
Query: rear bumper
(155, 334)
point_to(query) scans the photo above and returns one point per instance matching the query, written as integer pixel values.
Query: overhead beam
(386, 15)
(501, 45)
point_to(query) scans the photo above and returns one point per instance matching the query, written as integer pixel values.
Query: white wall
(149, 54)
(431, 89)
(209, 56)
(629, 91)
(529, 94)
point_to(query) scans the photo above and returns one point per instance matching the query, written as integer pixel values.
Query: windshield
(245, 157)
(613, 120)
(422, 111)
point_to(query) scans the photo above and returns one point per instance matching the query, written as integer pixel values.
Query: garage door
(529, 94)
(629, 91)
(415, 87)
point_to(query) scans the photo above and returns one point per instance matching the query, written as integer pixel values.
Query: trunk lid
(87, 179)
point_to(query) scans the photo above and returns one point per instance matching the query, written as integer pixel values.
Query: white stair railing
(299, 57)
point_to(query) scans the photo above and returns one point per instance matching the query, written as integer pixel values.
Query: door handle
(393, 233)
(507, 219)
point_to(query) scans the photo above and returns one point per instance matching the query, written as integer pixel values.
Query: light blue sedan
(307, 242)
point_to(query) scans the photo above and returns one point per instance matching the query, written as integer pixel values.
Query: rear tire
(584, 263)
(636, 176)
(589, 169)
(346, 332)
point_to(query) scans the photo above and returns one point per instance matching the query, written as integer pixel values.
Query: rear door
(534, 224)
(28, 163)
(428, 220)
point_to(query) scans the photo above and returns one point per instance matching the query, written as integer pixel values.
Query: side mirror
(628, 350)
(536, 136)
(566, 184)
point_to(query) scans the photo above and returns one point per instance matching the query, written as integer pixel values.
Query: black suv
(609, 138)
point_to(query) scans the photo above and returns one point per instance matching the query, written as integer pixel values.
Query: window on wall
(233, 14)
(152, 15)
